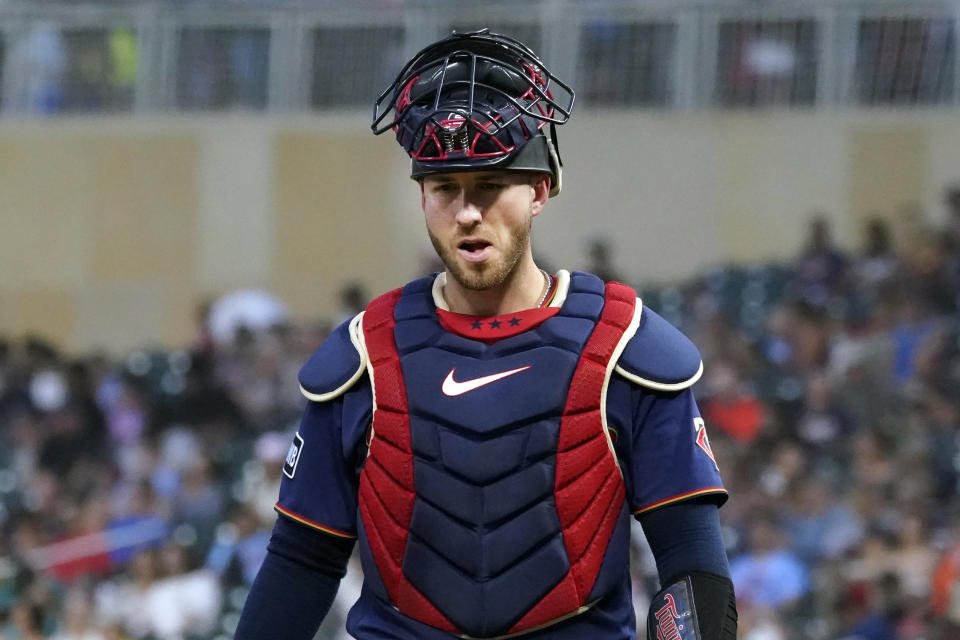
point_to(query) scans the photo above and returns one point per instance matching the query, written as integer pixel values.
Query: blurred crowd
(136, 494)
(831, 395)
(136, 497)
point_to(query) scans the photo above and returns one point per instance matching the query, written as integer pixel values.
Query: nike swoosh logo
(453, 388)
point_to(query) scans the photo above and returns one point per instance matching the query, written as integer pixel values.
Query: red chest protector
(487, 505)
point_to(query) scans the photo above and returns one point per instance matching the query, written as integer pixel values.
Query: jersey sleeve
(319, 484)
(662, 446)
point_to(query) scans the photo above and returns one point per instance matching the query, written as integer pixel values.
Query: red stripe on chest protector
(386, 482)
(588, 488)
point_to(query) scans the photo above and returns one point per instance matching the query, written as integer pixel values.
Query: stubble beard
(486, 275)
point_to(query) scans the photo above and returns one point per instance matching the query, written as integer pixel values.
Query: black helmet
(475, 101)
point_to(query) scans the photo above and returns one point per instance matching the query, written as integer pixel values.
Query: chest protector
(491, 491)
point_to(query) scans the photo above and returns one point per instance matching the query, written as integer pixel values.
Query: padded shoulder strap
(659, 356)
(337, 364)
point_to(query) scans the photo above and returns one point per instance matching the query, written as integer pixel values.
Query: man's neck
(522, 290)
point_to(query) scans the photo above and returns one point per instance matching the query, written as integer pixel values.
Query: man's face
(479, 222)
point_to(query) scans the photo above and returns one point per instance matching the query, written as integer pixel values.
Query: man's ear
(541, 191)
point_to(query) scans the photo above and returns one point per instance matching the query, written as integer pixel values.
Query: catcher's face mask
(476, 101)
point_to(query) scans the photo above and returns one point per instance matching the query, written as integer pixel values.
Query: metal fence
(167, 57)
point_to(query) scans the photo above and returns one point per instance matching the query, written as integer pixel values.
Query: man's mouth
(474, 250)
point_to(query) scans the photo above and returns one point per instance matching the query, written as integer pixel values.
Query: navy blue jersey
(465, 523)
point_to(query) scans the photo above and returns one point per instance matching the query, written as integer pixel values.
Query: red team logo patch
(667, 616)
(702, 441)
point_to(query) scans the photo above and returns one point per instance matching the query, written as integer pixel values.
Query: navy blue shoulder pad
(337, 364)
(659, 356)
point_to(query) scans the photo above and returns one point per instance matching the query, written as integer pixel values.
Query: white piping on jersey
(563, 286)
(661, 386)
(355, 330)
(373, 386)
(627, 336)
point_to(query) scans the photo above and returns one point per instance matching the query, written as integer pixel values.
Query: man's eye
(491, 186)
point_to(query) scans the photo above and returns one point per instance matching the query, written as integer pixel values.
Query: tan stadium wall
(112, 230)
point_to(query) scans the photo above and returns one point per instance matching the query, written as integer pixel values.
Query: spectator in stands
(870, 610)
(931, 371)
(88, 70)
(940, 420)
(877, 263)
(42, 54)
(914, 325)
(871, 465)
(600, 254)
(204, 403)
(241, 545)
(822, 422)
(760, 624)
(263, 380)
(353, 299)
(776, 344)
(122, 77)
(927, 271)
(945, 600)
(77, 622)
(818, 524)
(821, 268)
(26, 622)
(122, 601)
(913, 559)
(810, 336)
(768, 574)
(783, 469)
(730, 406)
(199, 501)
(126, 415)
(186, 600)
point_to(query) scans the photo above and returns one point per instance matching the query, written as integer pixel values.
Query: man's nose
(469, 213)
